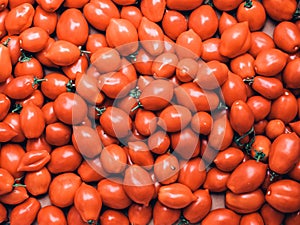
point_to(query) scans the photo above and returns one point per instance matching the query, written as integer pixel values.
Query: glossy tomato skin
(293, 218)
(19, 18)
(6, 63)
(100, 10)
(259, 106)
(111, 216)
(5, 104)
(113, 159)
(14, 47)
(221, 217)
(229, 159)
(272, 9)
(283, 195)
(51, 6)
(290, 74)
(202, 204)
(173, 24)
(133, 14)
(34, 160)
(26, 212)
(252, 218)
(45, 20)
(33, 39)
(28, 66)
(3, 213)
(95, 41)
(13, 120)
(216, 180)
(284, 153)
(7, 181)
(88, 202)
(188, 45)
(72, 27)
(204, 21)
(32, 121)
(51, 215)
(3, 14)
(7, 132)
(271, 215)
(163, 215)
(269, 87)
(106, 59)
(138, 214)
(260, 41)
(37, 183)
(55, 84)
(153, 10)
(245, 203)
(73, 217)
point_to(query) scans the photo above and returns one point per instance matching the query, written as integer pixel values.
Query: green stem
(183, 221)
(209, 2)
(248, 4)
(259, 155)
(273, 175)
(19, 185)
(5, 43)
(17, 108)
(238, 140)
(24, 58)
(132, 57)
(139, 105)
(83, 51)
(100, 111)
(71, 86)
(248, 81)
(135, 93)
(222, 106)
(37, 81)
(296, 15)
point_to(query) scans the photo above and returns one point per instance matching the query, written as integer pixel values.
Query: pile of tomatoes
(151, 111)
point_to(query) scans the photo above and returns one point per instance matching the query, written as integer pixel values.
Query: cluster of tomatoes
(126, 112)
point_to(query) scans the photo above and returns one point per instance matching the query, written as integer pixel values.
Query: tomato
(132, 14)
(138, 185)
(34, 160)
(239, 34)
(106, 60)
(145, 122)
(243, 66)
(67, 103)
(75, 4)
(188, 45)
(159, 142)
(48, 113)
(254, 13)
(51, 215)
(32, 121)
(292, 219)
(7, 181)
(72, 27)
(163, 215)
(166, 168)
(88, 173)
(153, 10)
(225, 21)
(179, 5)
(139, 154)
(176, 195)
(64, 159)
(42, 55)
(233, 89)
(229, 159)
(287, 36)
(113, 158)
(113, 217)
(15, 197)
(19, 18)
(227, 5)
(13, 120)
(157, 95)
(173, 24)
(100, 10)
(94, 42)
(241, 117)
(202, 123)
(73, 217)
(280, 10)
(37, 183)
(289, 102)
(28, 66)
(3, 213)
(216, 180)
(86, 140)
(62, 189)
(54, 85)
(260, 41)
(259, 106)
(164, 65)
(260, 148)
(7, 132)
(283, 195)
(63, 53)
(13, 46)
(140, 215)
(3, 14)
(186, 69)
(113, 194)
(204, 21)
(45, 20)
(275, 128)
(6, 63)
(88, 202)
(211, 52)
(295, 127)
(290, 74)
(269, 87)
(5, 104)
(252, 218)
(33, 39)
(270, 215)
(195, 98)
(221, 217)
(284, 153)
(3, 4)
(270, 62)
(25, 213)
(151, 37)
(105, 138)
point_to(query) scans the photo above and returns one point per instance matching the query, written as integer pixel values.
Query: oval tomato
(229, 159)
(173, 24)
(221, 216)
(37, 183)
(138, 214)
(113, 217)
(45, 20)
(33, 39)
(51, 215)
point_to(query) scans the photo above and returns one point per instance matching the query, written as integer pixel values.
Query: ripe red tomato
(216, 180)
(138, 214)
(132, 14)
(173, 24)
(286, 8)
(252, 218)
(229, 159)
(33, 39)
(51, 215)
(5, 63)
(179, 5)
(45, 20)
(163, 215)
(221, 216)
(74, 217)
(113, 217)
(37, 183)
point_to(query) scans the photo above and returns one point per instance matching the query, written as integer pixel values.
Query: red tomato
(34, 160)
(211, 52)
(132, 14)
(113, 159)
(284, 153)
(113, 217)
(271, 215)
(19, 18)
(3, 14)
(72, 27)
(291, 74)
(5, 63)
(50, 6)
(57, 134)
(216, 180)
(153, 10)
(28, 66)
(88, 202)
(226, 20)
(75, 3)
(7, 133)
(51, 215)
(140, 155)
(260, 41)
(186, 69)
(179, 5)
(283, 195)
(204, 21)
(5, 104)
(221, 217)
(33, 39)
(164, 65)
(74, 217)
(252, 218)
(106, 60)
(13, 120)
(275, 128)
(42, 56)
(188, 45)
(100, 10)
(229, 159)
(163, 215)
(140, 215)
(227, 5)
(45, 20)
(25, 213)
(3, 213)
(268, 87)
(243, 66)
(280, 10)
(37, 183)
(173, 24)
(259, 106)
(13, 46)
(159, 142)
(62, 189)
(94, 42)
(260, 148)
